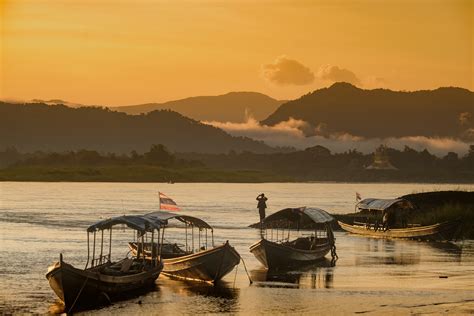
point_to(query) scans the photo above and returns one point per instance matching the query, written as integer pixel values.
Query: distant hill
(444, 112)
(230, 107)
(42, 127)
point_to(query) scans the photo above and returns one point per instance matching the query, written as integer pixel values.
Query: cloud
(336, 74)
(292, 133)
(286, 71)
(436, 145)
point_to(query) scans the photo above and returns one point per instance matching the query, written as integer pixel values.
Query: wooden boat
(397, 212)
(437, 232)
(275, 250)
(105, 281)
(207, 263)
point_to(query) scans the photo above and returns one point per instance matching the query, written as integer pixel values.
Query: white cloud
(290, 133)
(336, 74)
(286, 71)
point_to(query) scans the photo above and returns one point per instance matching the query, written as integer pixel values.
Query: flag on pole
(167, 203)
(358, 197)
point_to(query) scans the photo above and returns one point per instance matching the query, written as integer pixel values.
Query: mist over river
(40, 220)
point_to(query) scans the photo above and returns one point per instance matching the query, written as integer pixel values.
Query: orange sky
(131, 52)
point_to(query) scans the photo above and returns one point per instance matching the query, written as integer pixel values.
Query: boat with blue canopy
(294, 237)
(192, 255)
(103, 280)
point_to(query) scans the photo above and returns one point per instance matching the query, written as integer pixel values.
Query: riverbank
(136, 173)
(153, 173)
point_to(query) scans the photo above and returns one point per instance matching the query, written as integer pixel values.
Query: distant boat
(104, 281)
(206, 262)
(398, 209)
(275, 250)
(437, 232)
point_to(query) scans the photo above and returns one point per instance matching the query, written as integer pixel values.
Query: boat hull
(87, 288)
(209, 265)
(275, 256)
(438, 232)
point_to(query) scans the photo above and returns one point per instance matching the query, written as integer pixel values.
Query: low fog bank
(292, 133)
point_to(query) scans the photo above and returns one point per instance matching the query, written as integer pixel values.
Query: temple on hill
(381, 160)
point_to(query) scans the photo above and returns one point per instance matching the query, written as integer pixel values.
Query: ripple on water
(40, 220)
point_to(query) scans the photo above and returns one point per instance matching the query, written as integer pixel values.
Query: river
(40, 220)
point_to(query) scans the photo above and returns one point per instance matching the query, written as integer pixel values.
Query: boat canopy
(137, 222)
(190, 220)
(301, 216)
(383, 204)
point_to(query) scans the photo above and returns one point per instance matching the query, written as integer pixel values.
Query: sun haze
(131, 52)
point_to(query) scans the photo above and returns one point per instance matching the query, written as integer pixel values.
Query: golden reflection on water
(38, 221)
(316, 276)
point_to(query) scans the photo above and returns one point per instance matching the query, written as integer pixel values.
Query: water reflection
(221, 297)
(386, 251)
(134, 297)
(404, 252)
(317, 276)
(446, 247)
(56, 308)
(52, 217)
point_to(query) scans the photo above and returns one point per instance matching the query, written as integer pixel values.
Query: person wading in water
(262, 205)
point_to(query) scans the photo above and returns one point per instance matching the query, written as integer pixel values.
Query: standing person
(385, 219)
(262, 205)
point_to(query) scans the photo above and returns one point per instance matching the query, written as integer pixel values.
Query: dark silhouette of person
(385, 220)
(262, 205)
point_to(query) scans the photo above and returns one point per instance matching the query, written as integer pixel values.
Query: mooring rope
(235, 275)
(79, 294)
(246, 271)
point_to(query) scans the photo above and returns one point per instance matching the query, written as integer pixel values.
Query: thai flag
(167, 203)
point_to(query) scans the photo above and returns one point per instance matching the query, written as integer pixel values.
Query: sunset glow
(131, 52)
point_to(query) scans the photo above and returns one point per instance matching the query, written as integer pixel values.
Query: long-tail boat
(197, 257)
(283, 242)
(102, 280)
(368, 222)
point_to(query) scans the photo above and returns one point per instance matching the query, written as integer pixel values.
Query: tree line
(312, 164)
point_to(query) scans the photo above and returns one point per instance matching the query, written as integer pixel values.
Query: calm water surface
(40, 220)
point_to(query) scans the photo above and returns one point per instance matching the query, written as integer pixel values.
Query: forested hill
(444, 112)
(230, 107)
(32, 127)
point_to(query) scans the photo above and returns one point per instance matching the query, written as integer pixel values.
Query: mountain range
(340, 108)
(381, 113)
(30, 127)
(230, 107)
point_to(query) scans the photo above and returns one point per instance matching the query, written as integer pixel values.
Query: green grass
(448, 212)
(135, 173)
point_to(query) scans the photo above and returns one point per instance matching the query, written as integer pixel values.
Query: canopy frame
(141, 224)
(189, 222)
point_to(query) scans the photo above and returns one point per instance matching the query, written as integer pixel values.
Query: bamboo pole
(186, 230)
(93, 251)
(88, 251)
(110, 245)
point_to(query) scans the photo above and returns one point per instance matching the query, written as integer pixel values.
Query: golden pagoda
(381, 160)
